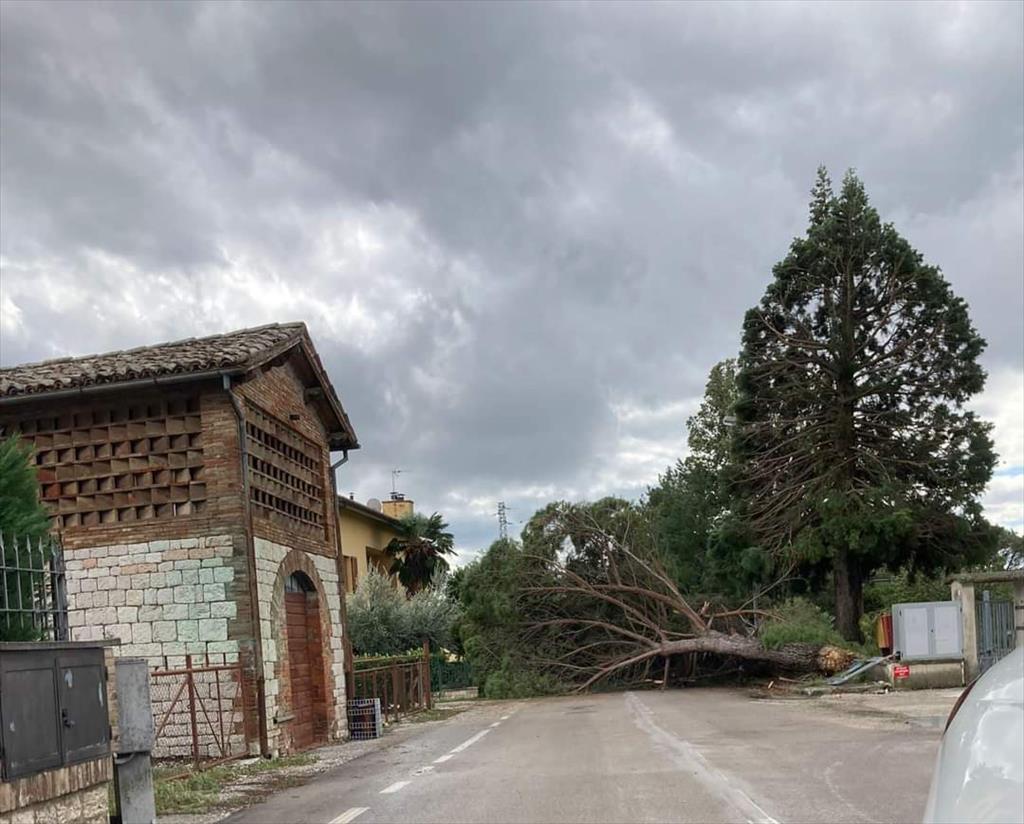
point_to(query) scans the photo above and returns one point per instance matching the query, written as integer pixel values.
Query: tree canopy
(418, 553)
(854, 446)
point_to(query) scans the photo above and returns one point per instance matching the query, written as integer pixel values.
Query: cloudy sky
(520, 234)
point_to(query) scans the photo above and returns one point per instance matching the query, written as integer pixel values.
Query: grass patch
(197, 792)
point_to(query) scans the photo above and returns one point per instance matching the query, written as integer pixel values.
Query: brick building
(192, 487)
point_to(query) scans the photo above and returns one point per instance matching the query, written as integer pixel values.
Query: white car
(979, 775)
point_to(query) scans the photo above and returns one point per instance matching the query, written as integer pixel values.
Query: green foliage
(902, 587)
(23, 521)
(21, 513)
(383, 621)
(798, 621)
(490, 626)
(513, 681)
(855, 447)
(418, 553)
(1010, 553)
(707, 548)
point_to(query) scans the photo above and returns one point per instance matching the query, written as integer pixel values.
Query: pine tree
(855, 450)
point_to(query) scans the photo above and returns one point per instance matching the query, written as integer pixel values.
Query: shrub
(798, 621)
(515, 682)
(382, 621)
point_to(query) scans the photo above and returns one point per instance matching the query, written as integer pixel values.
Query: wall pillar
(964, 593)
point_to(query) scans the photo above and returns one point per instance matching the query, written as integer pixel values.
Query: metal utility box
(930, 631)
(53, 706)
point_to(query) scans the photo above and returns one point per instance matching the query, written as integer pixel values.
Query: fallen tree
(599, 604)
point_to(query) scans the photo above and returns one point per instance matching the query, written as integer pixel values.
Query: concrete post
(1018, 611)
(964, 593)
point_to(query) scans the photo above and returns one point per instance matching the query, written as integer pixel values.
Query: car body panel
(979, 773)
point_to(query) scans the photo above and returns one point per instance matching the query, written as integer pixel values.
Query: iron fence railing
(33, 590)
(449, 675)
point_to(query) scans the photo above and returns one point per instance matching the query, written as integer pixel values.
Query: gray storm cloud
(517, 232)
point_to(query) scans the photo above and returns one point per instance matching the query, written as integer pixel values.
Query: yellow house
(366, 530)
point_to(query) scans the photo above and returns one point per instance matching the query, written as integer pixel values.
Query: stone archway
(301, 626)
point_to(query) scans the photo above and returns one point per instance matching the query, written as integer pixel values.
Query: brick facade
(163, 530)
(75, 794)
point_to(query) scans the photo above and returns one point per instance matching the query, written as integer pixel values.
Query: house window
(285, 472)
(133, 462)
(351, 574)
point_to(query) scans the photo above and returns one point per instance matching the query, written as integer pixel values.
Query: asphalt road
(679, 756)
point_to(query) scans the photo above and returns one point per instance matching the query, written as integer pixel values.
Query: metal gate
(996, 633)
(203, 711)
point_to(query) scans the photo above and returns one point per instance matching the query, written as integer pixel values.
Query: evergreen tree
(23, 521)
(708, 550)
(854, 446)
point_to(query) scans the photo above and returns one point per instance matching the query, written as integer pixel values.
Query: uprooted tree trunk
(615, 610)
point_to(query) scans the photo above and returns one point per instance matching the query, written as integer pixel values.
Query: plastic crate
(364, 720)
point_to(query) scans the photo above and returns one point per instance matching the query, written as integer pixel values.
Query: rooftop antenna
(394, 481)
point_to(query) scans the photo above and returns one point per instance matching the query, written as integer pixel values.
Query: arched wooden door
(305, 662)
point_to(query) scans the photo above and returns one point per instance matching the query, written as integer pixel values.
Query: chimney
(397, 506)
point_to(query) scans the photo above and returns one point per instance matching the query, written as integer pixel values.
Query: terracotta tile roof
(231, 351)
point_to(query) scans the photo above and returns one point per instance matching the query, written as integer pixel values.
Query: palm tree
(418, 551)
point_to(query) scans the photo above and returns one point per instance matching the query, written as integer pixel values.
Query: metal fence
(33, 591)
(996, 632)
(449, 675)
(203, 710)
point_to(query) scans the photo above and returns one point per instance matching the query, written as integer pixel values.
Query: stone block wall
(162, 599)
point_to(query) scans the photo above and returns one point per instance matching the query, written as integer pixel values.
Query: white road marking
(506, 717)
(394, 788)
(469, 742)
(351, 814)
(444, 758)
(688, 756)
(496, 723)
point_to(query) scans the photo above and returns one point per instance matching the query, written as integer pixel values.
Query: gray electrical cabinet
(928, 631)
(53, 706)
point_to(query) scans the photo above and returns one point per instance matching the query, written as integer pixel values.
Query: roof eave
(117, 386)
